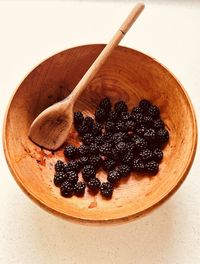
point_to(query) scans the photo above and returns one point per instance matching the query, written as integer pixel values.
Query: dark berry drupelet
(121, 148)
(157, 155)
(72, 177)
(110, 127)
(158, 123)
(88, 138)
(144, 104)
(101, 115)
(94, 184)
(97, 129)
(99, 140)
(79, 188)
(124, 170)
(119, 137)
(120, 107)
(137, 110)
(73, 165)
(154, 111)
(140, 130)
(59, 178)
(88, 172)
(138, 165)
(105, 104)
(121, 126)
(83, 129)
(95, 161)
(78, 119)
(150, 135)
(113, 176)
(130, 125)
(70, 152)
(83, 150)
(125, 116)
(127, 157)
(84, 160)
(112, 116)
(146, 155)
(152, 167)
(59, 166)
(108, 164)
(106, 149)
(137, 118)
(89, 121)
(163, 135)
(67, 189)
(93, 149)
(106, 189)
(148, 121)
(139, 142)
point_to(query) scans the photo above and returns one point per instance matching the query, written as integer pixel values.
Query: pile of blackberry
(117, 141)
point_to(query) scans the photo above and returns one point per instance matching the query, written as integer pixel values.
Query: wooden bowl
(128, 75)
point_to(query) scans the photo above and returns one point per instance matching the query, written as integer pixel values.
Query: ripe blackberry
(88, 172)
(121, 126)
(59, 178)
(78, 119)
(137, 118)
(140, 130)
(108, 164)
(113, 176)
(59, 166)
(107, 137)
(139, 142)
(95, 161)
(89, 122)
(130, 125)
(127, 157)
(97, 129)
(120, 107)
(66, 189)
(84, 160)
(79, 188)
(83, 129)
(158, 155)
(73, 165)
(88, 138)
(125, 116)
(100, 115)
(152, 167)
(163, 135)
(138, 165)
(72, 177)
(99, 140)
(146, 155)
(119, 137)
(70, 152)
(105, 104)
(121, 148)
(158, 123)
(83, 150)
(94, 184)
(150, 135)
(106, 189)
(112, 116)
(105, 149)
(144, 104)
(124, 170)
(93, 149)
(154, 111)
(136, 110)
(110, 126)
(148, 121)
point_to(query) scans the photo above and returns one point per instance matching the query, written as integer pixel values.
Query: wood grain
(128, 75)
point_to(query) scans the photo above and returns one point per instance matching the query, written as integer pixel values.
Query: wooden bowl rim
(127, 218)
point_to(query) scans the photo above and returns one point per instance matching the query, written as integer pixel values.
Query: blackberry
(137, 118)
(127, 158)
(124, 170)
(97, 129)
(100, 115)
(105, 149)
(150, 135)
(146, 155)
(136, 110)
(88, 138)
(84, 160)
(138, 165)
(89, 122)
(139, 142)
(154, 111)
(79, 188)
(59, 166)
(108, 137)
(113, 176)
(93, 149)
(152, 167)
(163, 135)
(106, 189)
(144, 104)
(73, 165)
(120, 107)
(119, 137)
(66, 189)
(125, 116)
(94, 184)
(121, 148)
(158, 123)
(72, 177)
(148, 121)
(158, 155)
(140, 130)
(88, 172)
(99, 140)
(70, 152)
(78, 119)
(59, 178)
(83, 150)
(130, 125)
(83, 129)
(95, 161)
(121, 126)
(108, 164)
(105, 104)
(112, 116)
(110, 126)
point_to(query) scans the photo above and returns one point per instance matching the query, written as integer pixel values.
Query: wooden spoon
(51, 128)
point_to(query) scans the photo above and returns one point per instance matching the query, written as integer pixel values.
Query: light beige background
(32, 31)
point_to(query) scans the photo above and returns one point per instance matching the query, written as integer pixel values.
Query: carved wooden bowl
(128, 75)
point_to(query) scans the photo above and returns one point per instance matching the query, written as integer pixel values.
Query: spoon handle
(94, 68)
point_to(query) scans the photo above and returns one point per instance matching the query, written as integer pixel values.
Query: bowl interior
(127, 75)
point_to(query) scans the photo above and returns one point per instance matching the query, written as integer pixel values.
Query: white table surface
(32, 31)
